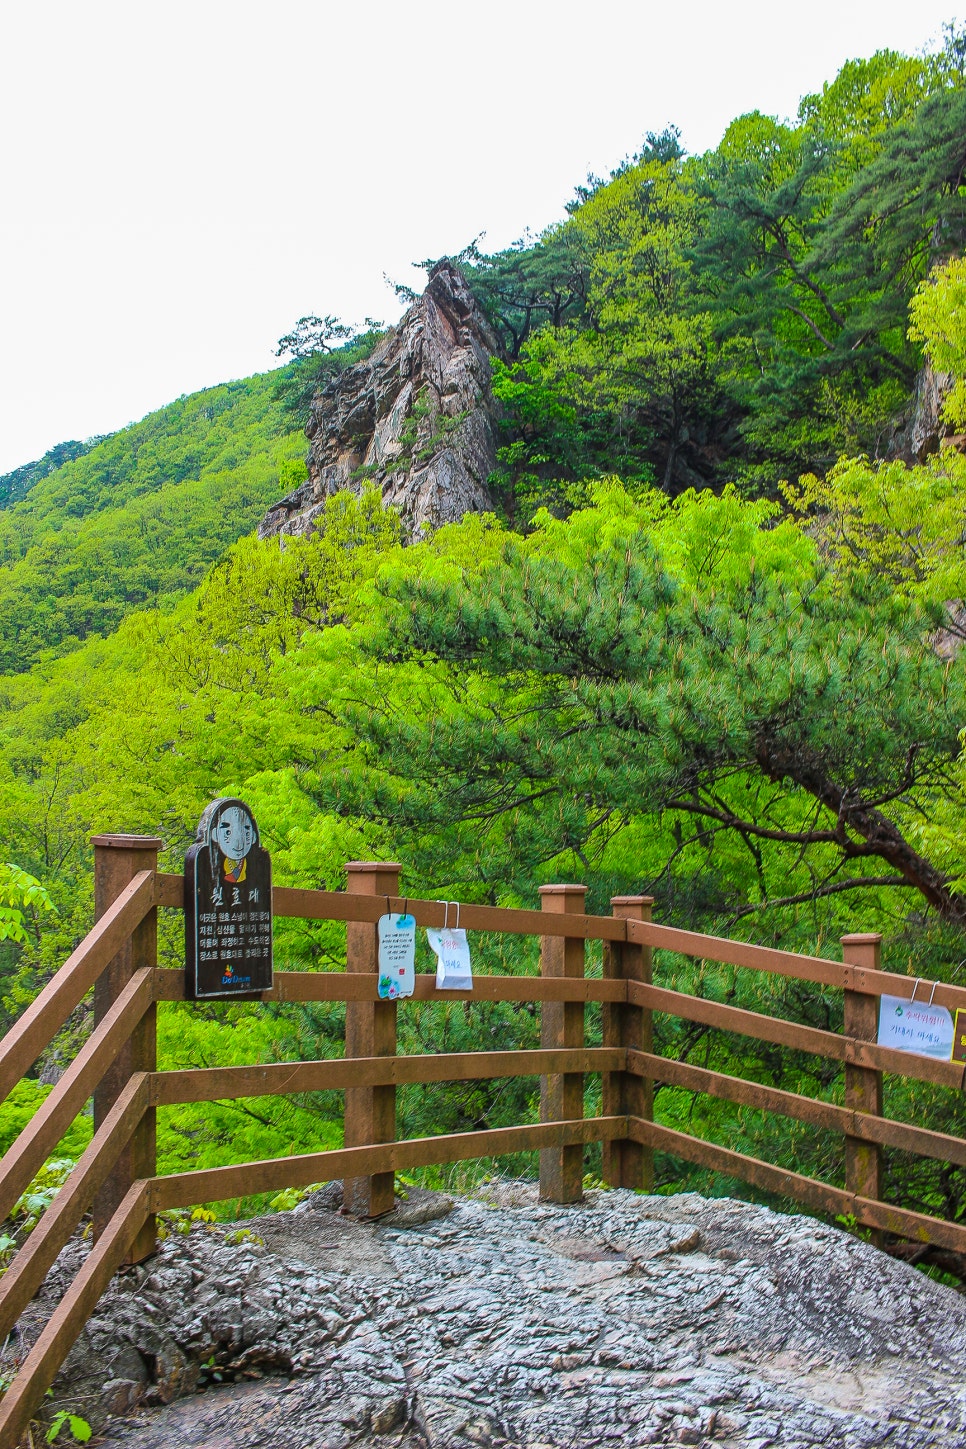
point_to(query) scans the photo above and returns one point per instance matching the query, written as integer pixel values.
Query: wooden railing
(117, 1178)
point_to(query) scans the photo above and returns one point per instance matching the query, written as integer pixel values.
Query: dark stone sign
(228, 906)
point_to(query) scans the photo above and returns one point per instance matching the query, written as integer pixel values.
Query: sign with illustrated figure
(228, 906)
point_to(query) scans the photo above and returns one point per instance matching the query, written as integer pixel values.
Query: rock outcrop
(417, 418)
(500, 1321)
(921, 429)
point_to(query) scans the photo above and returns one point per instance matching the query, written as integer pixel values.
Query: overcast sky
(180, 183)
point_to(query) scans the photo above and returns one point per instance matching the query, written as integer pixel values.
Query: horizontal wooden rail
(38, 1025)
(311, 905)
(187, 1189)
(921, 1140)
(362, 986)
(49, 1123)
(30, 1266)
(820, 1196)
(809, 1039)
(789, 963)
(212, 1084)
(38, 1370)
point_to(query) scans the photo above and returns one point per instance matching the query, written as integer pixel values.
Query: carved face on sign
(228, 905)
(231, 833)
(235, 833)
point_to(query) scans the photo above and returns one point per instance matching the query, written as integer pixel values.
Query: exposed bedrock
(417, 418)
(500, 1321)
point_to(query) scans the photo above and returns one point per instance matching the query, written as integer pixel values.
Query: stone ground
(499, 1321)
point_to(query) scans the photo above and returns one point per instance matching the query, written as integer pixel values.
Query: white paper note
(453, 969)
(397, 956)
(912, 1026)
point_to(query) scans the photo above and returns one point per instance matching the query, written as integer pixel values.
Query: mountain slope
(142, 515)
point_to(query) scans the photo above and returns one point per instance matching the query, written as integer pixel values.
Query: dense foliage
(140, 516)
(739, 315)
(710, 649)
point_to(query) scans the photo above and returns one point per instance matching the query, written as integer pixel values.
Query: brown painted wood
(800, 1038)
(39, 1023)
(370, 1031)
(187, 1189)
(34, 1259)
(887, 983)
(628, 1163)
(340, 906)
(117, 859)
(38, 1139)
(562, 1026)
(819, 1196)
(863, 1085)
(920, 1140)
(848, 975)
(212, 1084)
(815, 1194)
(740, 1090)
(337, 906)
(37, 1372)
(361, 986)
(737, 1019)
(737, 953)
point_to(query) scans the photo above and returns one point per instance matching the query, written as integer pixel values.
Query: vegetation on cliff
(710, 650)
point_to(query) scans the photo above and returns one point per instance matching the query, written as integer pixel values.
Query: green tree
(938, 321)
(588, 676)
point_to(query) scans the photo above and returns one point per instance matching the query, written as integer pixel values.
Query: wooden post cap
(128, 842)
(632, 900)
(861, 938)
(354, 865)
(558, 890)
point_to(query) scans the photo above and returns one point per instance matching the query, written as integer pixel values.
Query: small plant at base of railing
(77, 1427)
(238, 1236)
(289, 1197)
(181, 1221)
(36, 1199)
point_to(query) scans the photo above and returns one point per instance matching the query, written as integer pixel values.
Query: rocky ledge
(497, 1320)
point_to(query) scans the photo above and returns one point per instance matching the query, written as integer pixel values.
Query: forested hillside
(708, 649)
(139, 516)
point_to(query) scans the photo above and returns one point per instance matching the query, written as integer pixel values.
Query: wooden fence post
(117, 860)
(562, 1025)
(627, 1163)
(863, 1085)
(370, 1031)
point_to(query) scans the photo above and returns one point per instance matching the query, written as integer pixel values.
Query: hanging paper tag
(912, 1026)
(397, 956)
(453, 969)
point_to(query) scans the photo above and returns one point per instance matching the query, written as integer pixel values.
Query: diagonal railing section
(47, 1013)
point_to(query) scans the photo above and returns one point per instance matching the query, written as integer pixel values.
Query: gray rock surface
(417, 418)
(626, 1320)
(921, 430)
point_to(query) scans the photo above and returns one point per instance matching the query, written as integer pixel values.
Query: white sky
(181, 182)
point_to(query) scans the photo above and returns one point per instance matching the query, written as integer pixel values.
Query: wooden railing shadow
(116, 1177)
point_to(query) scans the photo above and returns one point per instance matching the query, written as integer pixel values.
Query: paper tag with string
(397, 956)
(453, 969)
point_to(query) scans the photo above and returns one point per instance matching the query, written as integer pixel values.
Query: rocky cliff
(500, 1322)
(921, 429)
(417, 418)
